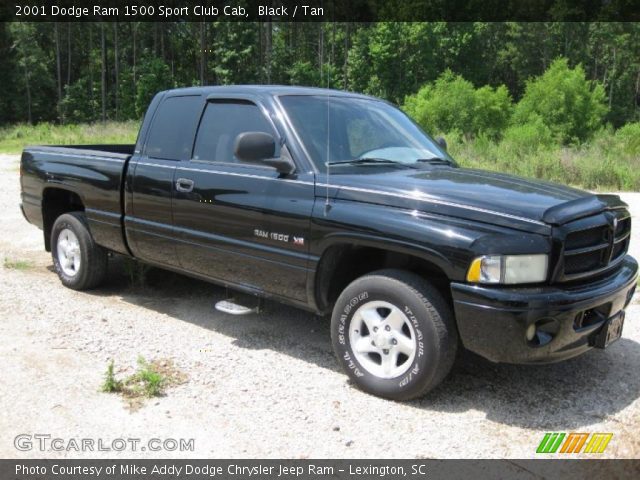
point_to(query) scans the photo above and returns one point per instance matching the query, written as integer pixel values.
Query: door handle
(184, 185)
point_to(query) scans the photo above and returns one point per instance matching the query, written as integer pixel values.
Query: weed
(17, 264)
(150, 380)
(147, 380)
(110, 384)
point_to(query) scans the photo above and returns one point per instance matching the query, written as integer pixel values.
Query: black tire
(92, 268)
(431, 320)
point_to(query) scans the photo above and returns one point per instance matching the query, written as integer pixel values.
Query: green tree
(452, 103)
(527, 138)
(36, 89)
(571, 106)
(153, 76)
(614, 60)
(7, 77)
(79, 103)
(235, 51)
(492, 110)
(392, 60)
(386, 59)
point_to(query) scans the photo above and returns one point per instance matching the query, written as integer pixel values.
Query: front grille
(624, 226)
(619, 249)
(587, 238)
(582, 262)
(594, 244)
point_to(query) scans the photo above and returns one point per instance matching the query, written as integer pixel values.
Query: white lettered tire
(394, 334)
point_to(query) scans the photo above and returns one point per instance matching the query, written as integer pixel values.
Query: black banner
(319, 10)
(316, 469)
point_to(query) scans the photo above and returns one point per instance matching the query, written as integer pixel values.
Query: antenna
(327, 205)
(328, 163)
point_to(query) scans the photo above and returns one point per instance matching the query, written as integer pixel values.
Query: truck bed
(95, 176)
(107, 150)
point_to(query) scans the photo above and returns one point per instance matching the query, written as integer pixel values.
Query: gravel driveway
(266, 386)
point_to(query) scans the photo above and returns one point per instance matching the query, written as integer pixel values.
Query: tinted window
(221, 124)
(335, 128)
(171, 134)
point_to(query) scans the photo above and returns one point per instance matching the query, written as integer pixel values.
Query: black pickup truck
(339, 204)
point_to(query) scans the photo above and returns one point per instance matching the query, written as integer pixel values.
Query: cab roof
(265, 90)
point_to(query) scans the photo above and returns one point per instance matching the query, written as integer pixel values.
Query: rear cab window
(173, 127)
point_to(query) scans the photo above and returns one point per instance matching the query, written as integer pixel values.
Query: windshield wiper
(369, 160)
(435, 161)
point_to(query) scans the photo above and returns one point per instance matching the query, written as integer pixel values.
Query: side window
(171, 133)
(221, 123)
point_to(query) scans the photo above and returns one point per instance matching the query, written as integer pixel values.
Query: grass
(17, 264)
(151, 379)
(14, 138)
(609, 161)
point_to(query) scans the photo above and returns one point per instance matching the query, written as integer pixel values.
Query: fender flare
(373, 241)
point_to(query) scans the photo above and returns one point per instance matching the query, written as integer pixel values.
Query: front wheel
(394, 334)
(80, 263)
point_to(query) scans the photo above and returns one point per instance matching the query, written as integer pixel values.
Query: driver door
(242, 225)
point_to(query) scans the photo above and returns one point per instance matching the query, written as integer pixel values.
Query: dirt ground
(265, 386)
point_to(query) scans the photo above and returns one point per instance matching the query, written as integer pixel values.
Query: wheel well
(55, 202)
(342, 264)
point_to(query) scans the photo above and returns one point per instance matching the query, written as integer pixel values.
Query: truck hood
(478, 195)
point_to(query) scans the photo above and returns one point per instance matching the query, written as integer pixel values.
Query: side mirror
(442, 142)
(259, 148)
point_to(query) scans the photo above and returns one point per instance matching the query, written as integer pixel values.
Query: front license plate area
(611, 331)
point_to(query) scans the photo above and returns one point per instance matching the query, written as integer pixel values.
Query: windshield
(355, 131)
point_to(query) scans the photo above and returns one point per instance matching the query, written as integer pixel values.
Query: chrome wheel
(382, 339)
(68, 249)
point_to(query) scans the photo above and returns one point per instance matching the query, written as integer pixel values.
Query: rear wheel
(80, 263)
(394, 334)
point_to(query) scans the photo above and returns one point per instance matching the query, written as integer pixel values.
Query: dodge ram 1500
(340, 204)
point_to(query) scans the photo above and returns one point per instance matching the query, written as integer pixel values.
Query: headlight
(508, 269)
